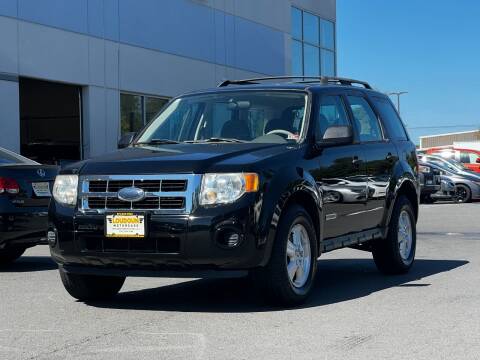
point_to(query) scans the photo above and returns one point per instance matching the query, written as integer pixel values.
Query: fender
(281, 190)
(407, 178)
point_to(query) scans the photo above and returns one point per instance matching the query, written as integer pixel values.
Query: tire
(463, 194)
(91, 287)
(274, 280)
(10, 255)
(396, 253)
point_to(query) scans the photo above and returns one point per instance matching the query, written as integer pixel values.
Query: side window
(464, 157)
(473, 158)
(390, 118)
(365, 119)
(331, 112)
(468, 157)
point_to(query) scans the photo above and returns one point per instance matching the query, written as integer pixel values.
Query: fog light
(232, 239)
(228, 237)
(52, 237)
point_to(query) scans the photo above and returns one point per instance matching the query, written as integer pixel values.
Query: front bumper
(178, 244)
(429, 189)
(23, 229)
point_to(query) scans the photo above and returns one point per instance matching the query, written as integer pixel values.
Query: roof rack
(305, 79)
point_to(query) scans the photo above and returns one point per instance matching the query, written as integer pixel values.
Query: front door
(341, 173)
(380, 157)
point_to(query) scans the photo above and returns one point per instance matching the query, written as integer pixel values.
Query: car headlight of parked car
(226, 188)
(423, 169)
(65, 189)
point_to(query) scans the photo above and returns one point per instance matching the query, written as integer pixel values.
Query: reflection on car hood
(183, 158)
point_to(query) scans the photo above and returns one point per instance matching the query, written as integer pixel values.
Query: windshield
(457, 164)
(238, 116)
(443, 163)
(448, 156)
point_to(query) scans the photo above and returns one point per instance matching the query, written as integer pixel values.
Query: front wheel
(395, 254)
(10, 255)
(289, 276)
(91, 287)
(463, 194)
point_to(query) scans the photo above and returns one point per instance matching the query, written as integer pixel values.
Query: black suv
(257, 176)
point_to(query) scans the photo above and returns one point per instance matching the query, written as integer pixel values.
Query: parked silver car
(467, 182)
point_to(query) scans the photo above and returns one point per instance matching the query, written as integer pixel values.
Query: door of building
(50, 121)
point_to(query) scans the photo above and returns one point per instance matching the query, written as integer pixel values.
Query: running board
(351, 239)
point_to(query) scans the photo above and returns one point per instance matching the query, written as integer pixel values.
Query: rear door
(380, 157)
(340, 173)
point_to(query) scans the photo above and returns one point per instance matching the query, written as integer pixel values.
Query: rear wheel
(10, 255)
(290, 273)
(463, 194)
(91, 287)
(396, 253)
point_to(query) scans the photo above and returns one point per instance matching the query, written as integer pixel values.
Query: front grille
(172, 202)
(174, 185)
(116, 185)
(96, 202)
(98, 186)
(168, 193)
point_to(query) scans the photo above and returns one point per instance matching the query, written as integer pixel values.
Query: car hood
(183, 158)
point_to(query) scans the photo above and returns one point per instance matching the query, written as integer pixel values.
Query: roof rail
(305, 79)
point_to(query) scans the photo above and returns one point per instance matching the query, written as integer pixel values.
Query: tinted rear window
(391, 120)
(9, 158)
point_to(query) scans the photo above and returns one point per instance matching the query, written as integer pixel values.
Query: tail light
(9, 186)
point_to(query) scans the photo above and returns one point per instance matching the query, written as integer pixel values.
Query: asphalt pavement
(354, 313)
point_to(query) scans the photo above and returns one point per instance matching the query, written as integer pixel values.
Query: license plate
(41, 189)
(429, 182)
(125, 225)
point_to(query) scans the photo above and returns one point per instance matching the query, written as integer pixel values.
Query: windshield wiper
(216, 139)
(157, 142)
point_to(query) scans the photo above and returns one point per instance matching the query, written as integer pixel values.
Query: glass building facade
(313, 44)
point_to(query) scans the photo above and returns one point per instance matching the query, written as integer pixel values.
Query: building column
(9, 113)
(101, 120)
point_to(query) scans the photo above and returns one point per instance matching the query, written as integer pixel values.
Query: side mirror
(126, 139)
(478, 160)
(336, 135)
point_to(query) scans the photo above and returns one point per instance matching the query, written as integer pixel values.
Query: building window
(137, 110)
(313, 44)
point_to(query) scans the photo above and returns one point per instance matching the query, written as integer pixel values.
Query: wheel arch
(306, 200)
(305, 194)
(408, 188)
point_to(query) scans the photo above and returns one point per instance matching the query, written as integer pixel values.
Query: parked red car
(469, 157)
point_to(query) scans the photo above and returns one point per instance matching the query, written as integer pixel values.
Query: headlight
(423, 169)
(65, 189)
(226, 188)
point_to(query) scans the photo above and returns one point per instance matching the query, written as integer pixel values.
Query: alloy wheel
(405, 235)
(298, 256)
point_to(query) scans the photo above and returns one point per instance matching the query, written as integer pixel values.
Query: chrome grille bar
(174, 202)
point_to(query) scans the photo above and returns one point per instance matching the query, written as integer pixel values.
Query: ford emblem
(132, 194)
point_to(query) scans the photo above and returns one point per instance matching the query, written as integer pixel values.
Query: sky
(430, 48)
